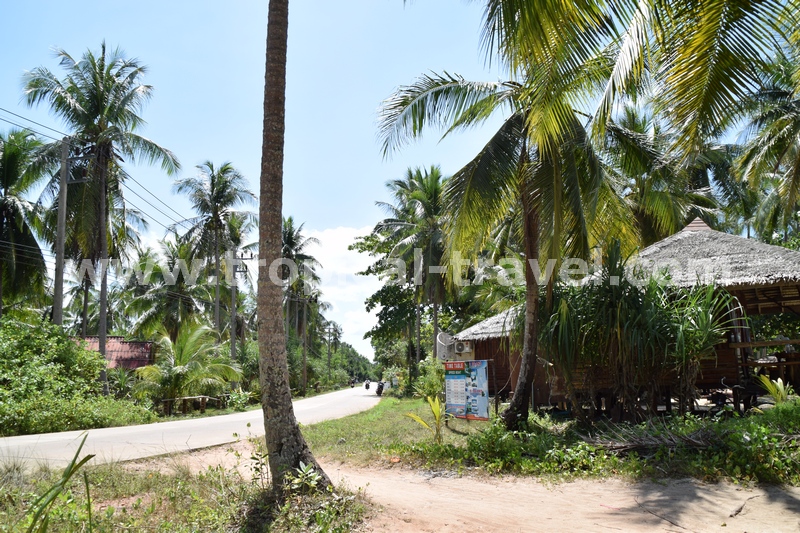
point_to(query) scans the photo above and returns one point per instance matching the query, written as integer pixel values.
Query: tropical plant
(38, 521)
(100, 99)
(703, 315)
(561, 186)
(189, 366)
(635, 332)
(415, 229)
(215, 193)
(439, 418)
(666, 47)
(22, 267)
(171, 295)
(430, 382)
(285, 443)
(299, 273)
(771, 158)
(776, 389)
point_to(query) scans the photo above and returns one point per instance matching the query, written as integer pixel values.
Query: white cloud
(340, 285)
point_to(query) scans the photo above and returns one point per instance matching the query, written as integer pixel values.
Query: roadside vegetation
(49, 382)
(168, 496)
(759, 447)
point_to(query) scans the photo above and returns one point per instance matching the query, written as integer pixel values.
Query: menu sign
(467, 389)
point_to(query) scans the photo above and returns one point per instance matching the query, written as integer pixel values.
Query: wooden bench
(169, 402)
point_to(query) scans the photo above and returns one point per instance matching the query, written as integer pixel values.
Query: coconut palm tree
(22, 267)
(660, 192)
(562, 190)
(187, 366)
(770, 161)
(81, 236)
(99, 99)
(286, 446)
(416, 228)
(169, 298)
(701, 58)
(215, 193)
(301, 282)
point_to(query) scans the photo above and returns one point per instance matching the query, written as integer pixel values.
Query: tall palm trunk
(216, 284)
(418, 326)
(85, 310)
(517, 412)
(104, 157)
(285, 444)
(435, 329)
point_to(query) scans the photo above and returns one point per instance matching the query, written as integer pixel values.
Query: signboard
(467, 389)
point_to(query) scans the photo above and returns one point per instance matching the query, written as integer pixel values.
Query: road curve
(135, 442)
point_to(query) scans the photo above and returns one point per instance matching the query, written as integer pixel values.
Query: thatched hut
(493, 340)
(764, 278)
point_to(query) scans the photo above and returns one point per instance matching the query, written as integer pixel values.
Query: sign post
(467, 389)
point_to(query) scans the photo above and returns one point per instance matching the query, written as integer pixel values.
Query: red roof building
(127, 354)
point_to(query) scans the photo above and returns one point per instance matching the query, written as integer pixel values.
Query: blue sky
(206, 64)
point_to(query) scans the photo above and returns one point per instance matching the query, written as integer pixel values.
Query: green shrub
(430, 382)
(399, 374)
(48, 414)
(49, 382)
(239, 399)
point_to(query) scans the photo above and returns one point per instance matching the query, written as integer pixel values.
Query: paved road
(135, 442)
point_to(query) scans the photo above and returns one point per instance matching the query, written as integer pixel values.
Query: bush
(49, 382)
(430, 382)
(401, 375)
(49, 414)
(239, 399)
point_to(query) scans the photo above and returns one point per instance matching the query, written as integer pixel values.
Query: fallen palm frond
(648, 437)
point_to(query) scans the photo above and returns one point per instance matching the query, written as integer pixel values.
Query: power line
(33, 248)
(151, 205)
(33, 121)
(183, 218)
(29, 254)
(144, 212)
(29, 129)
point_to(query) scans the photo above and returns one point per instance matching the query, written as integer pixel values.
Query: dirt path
(414, 501)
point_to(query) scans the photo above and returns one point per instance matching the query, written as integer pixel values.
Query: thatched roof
(491, 328)
(699, 255)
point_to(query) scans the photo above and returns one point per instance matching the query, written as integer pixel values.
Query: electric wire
(29, 129)
(33, 121)
(154, 207)
(183, 218)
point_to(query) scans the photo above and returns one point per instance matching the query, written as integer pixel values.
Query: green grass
(377, 433)
(760, 447)
(170, 499)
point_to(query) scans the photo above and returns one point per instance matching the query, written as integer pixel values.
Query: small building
(764, 278)
(122, 353)
(493, 340)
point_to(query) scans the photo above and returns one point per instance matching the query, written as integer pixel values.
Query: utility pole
(58, 289)
(330, 333)
(61, 229)
(233, 311)
(305, 349)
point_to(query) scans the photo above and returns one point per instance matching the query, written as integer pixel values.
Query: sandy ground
(413, 501)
